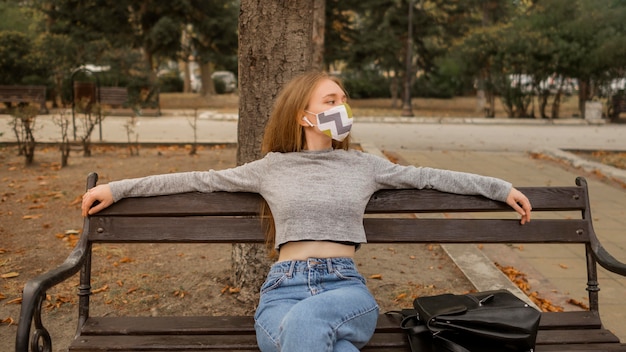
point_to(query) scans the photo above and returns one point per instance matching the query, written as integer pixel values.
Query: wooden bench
(24, 94)
(395, 216)
(113, 96)
(618, 106)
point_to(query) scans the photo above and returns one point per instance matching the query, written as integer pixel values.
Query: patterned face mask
(335, 122)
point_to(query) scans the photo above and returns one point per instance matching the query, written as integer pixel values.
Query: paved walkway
(495, 147)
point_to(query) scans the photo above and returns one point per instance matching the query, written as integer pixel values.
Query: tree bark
(319, 21)
(274, 45)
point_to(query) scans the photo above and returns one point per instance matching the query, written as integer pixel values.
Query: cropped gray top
(315, 195)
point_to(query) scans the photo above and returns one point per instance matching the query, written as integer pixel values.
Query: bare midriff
(315, 249)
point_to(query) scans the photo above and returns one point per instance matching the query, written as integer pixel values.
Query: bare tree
(269, 55)
(23, 124)
(63, 122)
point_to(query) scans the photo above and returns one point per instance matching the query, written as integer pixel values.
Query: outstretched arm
(100, 193)
(520, 203)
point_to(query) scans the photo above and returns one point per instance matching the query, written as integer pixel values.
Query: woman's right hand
(100, 193)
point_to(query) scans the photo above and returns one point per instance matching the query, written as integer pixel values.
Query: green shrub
(171, 82)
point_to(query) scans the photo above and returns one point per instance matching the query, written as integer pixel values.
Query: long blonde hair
(284, 134)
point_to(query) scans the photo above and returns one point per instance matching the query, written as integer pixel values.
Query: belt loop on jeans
(329, 265)
(292, 266)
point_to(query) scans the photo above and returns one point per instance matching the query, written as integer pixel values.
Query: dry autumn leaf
(15, 301)
(578, 303)
(101, 289)
(10, 275)
(8, 320)
(30, 217)
(376, 277)
(400, 297)
(563, 266)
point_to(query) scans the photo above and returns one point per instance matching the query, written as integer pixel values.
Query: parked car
(227, 78)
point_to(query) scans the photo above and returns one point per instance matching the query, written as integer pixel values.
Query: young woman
(313, 299)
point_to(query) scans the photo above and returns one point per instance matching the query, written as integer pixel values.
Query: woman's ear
(304, 120)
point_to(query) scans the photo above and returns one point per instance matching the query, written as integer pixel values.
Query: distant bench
(114, 97)
(24, 94)
(393, 216)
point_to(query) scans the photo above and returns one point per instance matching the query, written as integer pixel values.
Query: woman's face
(326, 95)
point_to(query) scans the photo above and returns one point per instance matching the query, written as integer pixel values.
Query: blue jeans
(315, 305)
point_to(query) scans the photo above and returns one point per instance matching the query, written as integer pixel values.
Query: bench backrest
(560, 215)
(410, 216)
(33, 94)
(113, 96)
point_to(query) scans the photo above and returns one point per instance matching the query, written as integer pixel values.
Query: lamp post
(407, 110)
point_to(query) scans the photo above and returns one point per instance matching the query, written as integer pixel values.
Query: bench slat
(567, 341)
(393, 342)
(398, 201)
(575, 336)
(378, 230)
(193, 325)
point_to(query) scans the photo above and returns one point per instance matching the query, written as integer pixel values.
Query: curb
(584, 164)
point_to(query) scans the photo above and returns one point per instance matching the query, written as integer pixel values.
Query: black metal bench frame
(233, 217)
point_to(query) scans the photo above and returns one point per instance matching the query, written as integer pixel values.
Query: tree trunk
(269, 55)
(186, 76)
(319, 20)
(208, 88)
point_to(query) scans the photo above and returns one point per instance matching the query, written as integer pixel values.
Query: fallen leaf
(10, 275)
(101, 289)
(29, 217)
(376, 277)
(578, 303)
(15, 301)
(401, 296)
(563, 266)
(8, 320)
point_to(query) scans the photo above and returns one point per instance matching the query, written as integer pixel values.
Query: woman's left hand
(520, 203)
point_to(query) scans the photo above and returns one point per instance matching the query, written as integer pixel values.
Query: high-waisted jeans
(315, 305)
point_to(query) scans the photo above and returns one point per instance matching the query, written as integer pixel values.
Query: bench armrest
(606, 260)
(35, 291)
(600, 254)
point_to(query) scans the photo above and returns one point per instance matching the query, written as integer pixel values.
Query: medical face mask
(335, 122)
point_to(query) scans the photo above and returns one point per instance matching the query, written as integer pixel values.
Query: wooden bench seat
(24, 94)
(233, 218)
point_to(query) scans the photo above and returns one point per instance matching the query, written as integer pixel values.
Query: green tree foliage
(548, 40)
(118, 33)
(14, 48)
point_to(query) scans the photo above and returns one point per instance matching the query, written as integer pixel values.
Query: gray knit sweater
(315, 195)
